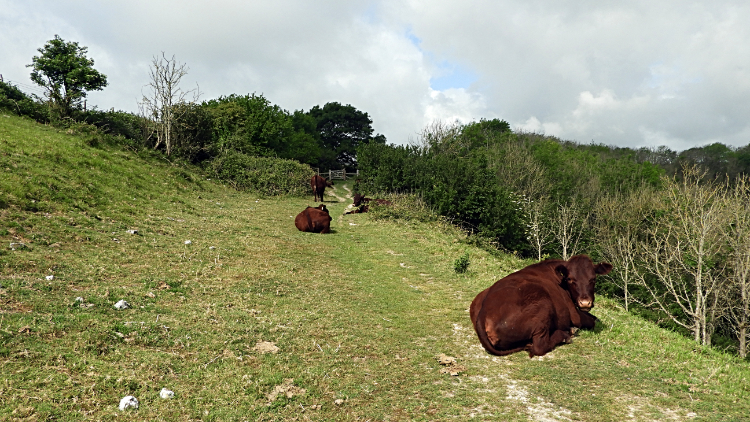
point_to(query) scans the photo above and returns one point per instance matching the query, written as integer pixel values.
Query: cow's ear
(563, 271)
(603, 268)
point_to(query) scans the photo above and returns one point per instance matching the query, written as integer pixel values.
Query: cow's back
(315, 220)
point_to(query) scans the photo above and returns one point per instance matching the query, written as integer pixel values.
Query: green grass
(358, 315)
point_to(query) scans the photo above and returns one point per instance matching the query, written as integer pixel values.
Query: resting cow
(314, 220)
(360, 200)
(319, 185)
(535, 309)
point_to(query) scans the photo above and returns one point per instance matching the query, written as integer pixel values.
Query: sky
(635, 73)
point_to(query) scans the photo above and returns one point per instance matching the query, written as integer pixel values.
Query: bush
(461, 265)
(462, 188)
(265, 175)
(16, 101)
(116, 123)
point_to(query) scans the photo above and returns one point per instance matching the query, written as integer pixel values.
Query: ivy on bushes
(265, 175)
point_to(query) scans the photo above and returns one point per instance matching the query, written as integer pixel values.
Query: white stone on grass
(122, 305)
(128, 401)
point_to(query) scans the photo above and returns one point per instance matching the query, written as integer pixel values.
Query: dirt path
(332, 191)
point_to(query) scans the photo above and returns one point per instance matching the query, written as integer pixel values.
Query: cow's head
(329, 183)
(323, 208)
(358, 199)
(579, 277)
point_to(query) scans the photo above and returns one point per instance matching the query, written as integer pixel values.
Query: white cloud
(630, 74)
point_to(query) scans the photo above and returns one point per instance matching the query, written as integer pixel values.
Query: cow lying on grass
(361, 204)
(318, 185)
(314, 220)
(536, 308)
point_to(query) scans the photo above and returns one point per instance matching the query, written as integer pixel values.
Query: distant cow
(319, 185)
(361, 199)
(534, 309)
(314, 220)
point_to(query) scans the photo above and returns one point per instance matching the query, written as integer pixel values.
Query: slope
(245, 318)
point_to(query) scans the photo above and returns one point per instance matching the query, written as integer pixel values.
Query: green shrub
(265, 175)
(16, 101)
(461, 265)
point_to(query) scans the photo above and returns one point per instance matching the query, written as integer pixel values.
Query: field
(246, 318)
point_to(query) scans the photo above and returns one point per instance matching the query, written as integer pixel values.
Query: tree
(250, 124)
(342, 129)
(65, 72)
(618, 229)
(568, 226)
(738, 237)
(160, 105)
(681, 257)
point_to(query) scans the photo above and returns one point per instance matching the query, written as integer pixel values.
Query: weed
(461, 264)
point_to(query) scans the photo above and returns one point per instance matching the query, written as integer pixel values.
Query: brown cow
(535, 309)
(361, 199)
(319, 185)
(314, 220)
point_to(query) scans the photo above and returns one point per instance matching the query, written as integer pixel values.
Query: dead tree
(681, 255)
(567, 228)
(160, 104)
(738, 238)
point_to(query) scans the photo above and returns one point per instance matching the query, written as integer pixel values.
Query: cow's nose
(585, 304)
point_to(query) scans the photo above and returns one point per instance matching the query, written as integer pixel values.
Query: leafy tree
(304, 144)
(342, 129)
(249, 124)
(66, 73)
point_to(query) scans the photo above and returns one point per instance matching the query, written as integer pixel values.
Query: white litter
(212, 247)
(128, 401)
(187, 242)
(166, 394)
(122, 305)
(50, 277)
(133, 231)
(352, 224)
(79, 299)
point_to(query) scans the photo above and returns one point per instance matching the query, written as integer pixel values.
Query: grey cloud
(631, 74)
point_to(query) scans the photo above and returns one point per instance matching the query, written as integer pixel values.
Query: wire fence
(27, 88)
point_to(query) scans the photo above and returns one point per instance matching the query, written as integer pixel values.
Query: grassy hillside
(358, 316)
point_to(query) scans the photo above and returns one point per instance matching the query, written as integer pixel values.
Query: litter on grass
(122, 305)
(128, 401)
(166, 394)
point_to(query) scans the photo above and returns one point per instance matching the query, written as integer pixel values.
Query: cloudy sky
(633, 73)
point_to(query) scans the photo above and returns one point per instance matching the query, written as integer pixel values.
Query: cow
(538, 307)
(314, 220)
(361, 199)
(319, 185)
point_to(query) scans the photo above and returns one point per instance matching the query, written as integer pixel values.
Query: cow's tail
(481, 330)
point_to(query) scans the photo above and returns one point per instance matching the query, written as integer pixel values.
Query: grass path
(358, 316)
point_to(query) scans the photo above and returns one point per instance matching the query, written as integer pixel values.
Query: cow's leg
(588, 321)
(540, 343)
(560, 336)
